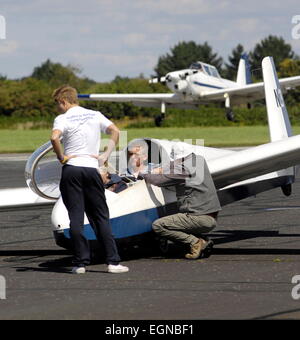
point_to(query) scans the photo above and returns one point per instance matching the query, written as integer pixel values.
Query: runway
(248, 276)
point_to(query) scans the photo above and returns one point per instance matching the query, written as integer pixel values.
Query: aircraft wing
(251, 92)
(255, 161)
(139, 99)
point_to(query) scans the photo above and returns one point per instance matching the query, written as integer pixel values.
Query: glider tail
(278, 118)
(244, 74)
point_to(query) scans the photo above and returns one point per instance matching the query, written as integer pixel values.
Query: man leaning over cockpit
(197, 200)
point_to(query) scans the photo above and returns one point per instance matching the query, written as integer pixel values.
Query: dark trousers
(82, 191)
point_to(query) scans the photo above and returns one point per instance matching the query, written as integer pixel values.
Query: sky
(106, 38)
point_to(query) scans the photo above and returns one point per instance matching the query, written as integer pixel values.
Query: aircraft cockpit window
(207, 70)
(211, 71)
(214, 72)
(196, 66)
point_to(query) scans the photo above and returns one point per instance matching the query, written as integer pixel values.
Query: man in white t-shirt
(81, 185)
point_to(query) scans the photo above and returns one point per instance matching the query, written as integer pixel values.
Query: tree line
(29, 98)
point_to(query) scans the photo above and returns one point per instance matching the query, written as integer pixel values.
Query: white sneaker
(78, 270)
(116, 269)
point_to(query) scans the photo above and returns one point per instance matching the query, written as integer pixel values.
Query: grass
(18, 141)
(23, 141)
(212, 136)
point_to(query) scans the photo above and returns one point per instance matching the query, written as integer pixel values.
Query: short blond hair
(66, 93)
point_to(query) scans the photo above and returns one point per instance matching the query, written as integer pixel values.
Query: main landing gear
(229, 115)
(158, 120)
(228, 111)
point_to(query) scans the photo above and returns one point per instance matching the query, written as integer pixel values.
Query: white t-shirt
(81, 131)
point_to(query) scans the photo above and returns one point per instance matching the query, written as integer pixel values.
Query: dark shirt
(120, 184)
(195, 189)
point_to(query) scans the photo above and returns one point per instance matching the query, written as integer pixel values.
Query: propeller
(157, 80)
(172, 76)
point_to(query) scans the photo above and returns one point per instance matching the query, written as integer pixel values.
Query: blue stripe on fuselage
(208, 85)
(125, 226)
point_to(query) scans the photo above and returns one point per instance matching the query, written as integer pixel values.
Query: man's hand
(57, 148)
(64, 159)
(157, 171)
(104, 174)
(102, 159)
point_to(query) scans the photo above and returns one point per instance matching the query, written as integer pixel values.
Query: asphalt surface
(248, 276)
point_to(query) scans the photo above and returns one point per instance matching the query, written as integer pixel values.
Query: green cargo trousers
(183, 227)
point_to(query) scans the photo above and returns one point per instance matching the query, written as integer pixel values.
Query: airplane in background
(198, 85)
(236, 174)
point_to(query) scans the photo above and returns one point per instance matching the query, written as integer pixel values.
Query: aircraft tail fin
(278, 118)
(244, 74)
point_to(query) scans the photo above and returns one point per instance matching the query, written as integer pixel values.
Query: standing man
(197, 201)
(81, 185)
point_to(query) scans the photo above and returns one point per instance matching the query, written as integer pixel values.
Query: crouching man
(197, 199)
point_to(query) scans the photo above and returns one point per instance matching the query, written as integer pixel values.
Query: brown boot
(196, 249)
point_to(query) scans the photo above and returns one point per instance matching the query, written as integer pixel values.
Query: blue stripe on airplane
(125, 226)
(207, 85)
